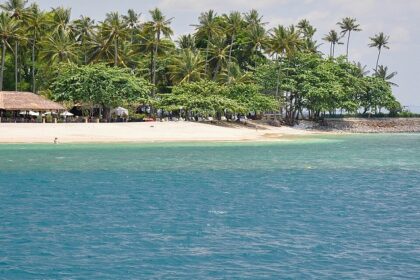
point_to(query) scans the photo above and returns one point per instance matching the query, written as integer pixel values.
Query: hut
(13, 103)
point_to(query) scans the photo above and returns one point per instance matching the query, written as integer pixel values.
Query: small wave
(218, 212)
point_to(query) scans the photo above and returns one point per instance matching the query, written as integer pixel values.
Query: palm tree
(253, 19)
(9, 29)
(307, 32)
(83, 30)
(186, 42)
(60, 22)
(132, 20)
(59, 47)
(383, 73)
(347, 26)
(283, 43)
(236, 75)
(35, 25)
(157, 27)
(333, 38)
(187, 66)
(115, 31)
(219, 54)
(360, 70)
(306, 29)
(233, 25)
(258, 40)
(207, 29)
(256, 33)
(16, 10)
(379, 41)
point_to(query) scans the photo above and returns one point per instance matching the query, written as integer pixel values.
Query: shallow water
(326, 207)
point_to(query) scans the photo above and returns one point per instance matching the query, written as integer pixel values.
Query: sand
(142, 132)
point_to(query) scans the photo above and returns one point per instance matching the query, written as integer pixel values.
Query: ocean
(329, 207)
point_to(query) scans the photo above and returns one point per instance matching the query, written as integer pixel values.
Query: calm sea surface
(344, 207)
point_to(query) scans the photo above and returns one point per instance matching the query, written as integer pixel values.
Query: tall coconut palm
(348, 25)
(379, 41)
(59, 47)
(132, 19)
(207, 29)
(16, 10)
(159, 26)
(115, 31)
(258, 40)
(9, 28)
(284, 43)
(383, 73)
(253, 19)
(219, 52)
(187, 66)
(307, 32)
(306, 29)
(234, 24)
(256, 32)
(334, 39)
(84, 30)
(60, 21)
(35, 25)
(277, 48)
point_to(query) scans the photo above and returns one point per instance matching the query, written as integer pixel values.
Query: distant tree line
(232, 63)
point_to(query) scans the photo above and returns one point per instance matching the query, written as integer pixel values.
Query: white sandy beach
(141, 132)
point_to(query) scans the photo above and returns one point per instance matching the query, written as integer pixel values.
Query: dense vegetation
(232, 64)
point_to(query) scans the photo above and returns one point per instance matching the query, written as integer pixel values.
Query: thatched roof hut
(26, 101)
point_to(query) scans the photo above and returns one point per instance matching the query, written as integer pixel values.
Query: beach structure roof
(26, 101)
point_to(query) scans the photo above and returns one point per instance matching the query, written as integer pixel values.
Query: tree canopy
(99, 85)
(246, 63)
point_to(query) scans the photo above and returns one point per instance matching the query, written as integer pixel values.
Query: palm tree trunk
(16, 66)
(154, 62)
(216, 70)
(348, 44)
(333, 50)
(116, 53)
(278, 76)
(3, 56)
(152, 55)
(377, 60)
(207, 56)
(230, 56)
(33, 67)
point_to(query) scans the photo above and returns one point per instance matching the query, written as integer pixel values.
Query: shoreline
(187, 132)
(153, 132)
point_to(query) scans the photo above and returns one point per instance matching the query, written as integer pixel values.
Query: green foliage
(249, 96)
(99, 85)
(318, 85)
(247, 64)
(208, 98)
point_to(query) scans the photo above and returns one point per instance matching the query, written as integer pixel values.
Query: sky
(398, 19)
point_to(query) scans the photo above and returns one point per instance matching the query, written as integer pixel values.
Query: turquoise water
(345, 207)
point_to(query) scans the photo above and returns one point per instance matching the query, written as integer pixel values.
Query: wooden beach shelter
(16, 102)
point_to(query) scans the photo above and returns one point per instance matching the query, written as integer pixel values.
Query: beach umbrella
(67, 114)
(33, 114)
(120, 111)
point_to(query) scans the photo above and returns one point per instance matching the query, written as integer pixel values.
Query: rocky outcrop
(374, 125)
